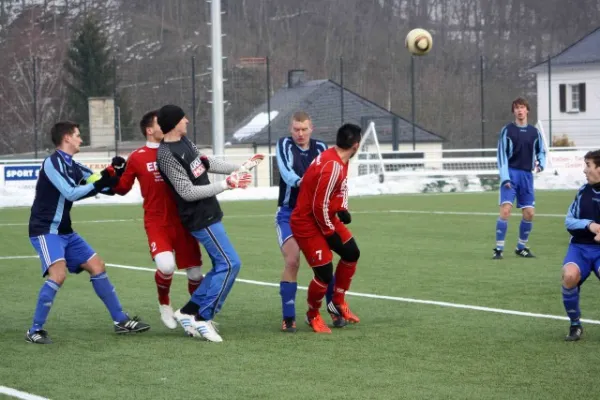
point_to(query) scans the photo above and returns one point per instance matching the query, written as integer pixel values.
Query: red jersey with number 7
(159, 203)
(323, 192)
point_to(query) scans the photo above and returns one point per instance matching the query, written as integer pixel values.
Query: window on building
(574, 89)
(572, 97)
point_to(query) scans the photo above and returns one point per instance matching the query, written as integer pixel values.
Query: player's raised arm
(504, 148)
(540, 151)
(178, 177)
(285, 162)
(329, 179)
(216, 165)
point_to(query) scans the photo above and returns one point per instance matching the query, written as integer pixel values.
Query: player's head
(66, 136)
(171, 119)
(592, 167)
(520, 108)
(301, 128)
(149, 127)
(348, 138)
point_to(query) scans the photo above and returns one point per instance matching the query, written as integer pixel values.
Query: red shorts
(175, 238)
(315, 247)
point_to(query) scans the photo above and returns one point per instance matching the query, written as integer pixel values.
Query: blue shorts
(521, 187)
(282, 224)
(71, 248)
(586, 257)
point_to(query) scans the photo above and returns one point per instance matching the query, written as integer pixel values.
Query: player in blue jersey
(62, 181)
(294, 154)
(520, 151)
(583, 253)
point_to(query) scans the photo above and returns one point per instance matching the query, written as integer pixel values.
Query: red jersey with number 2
(323, 192)
(161, 219)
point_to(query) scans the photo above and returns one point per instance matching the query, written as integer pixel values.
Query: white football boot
(208, 331)
(166, 316)
(187, 322)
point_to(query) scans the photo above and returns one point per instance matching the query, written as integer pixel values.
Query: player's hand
(118, 163)
(106, 181)
(594, 228)
(344, 216)
(251, 163)
(506, 184)
(238, 180)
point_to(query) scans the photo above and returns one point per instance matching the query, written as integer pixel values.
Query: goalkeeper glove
(344, 216)
(335, 242)
(238, 180)
(251, 163)
(106, 181)
(118, 163)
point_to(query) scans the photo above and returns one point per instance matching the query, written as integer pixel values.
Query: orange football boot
(318, 324)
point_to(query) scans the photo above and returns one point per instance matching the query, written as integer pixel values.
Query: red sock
(343, 277)
(193, 285)
(163, 285)
(316, 292)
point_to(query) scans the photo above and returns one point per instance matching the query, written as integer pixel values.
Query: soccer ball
(418, 42)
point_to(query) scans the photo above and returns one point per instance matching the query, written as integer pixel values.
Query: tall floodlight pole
(218, 119)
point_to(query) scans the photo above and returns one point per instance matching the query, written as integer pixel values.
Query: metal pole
(342, 88)
(194, 98)
(35, 121)
(218, 119)
(482, 103)
(269, 118)
(549, 102)
(412, 95)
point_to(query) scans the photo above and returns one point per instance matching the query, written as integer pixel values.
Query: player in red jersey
(165, 232)
(319, 222)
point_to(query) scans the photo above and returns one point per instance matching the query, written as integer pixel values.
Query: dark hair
(594, 156)
(347, 136)
(147, 120)
(519, 101)
(62, 129)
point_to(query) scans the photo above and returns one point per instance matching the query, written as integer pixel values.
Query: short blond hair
(300, 116)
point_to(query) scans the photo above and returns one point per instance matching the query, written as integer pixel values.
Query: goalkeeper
(185, 170)
(583, 254)
(520, 150)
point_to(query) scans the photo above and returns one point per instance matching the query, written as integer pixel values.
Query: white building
(568, 92)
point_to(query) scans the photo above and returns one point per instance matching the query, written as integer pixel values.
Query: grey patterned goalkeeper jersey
(185, 170)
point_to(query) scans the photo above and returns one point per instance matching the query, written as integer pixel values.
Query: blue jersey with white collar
(584, 210)
(292, 162)
(519, 147)
(59, 185)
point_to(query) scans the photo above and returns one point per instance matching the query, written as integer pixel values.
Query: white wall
(582, 127)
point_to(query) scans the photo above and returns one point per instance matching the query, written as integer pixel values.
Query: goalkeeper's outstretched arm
(179, 180)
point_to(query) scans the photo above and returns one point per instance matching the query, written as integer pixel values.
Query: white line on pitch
(20, 395)
(370, 296)
(272, 215)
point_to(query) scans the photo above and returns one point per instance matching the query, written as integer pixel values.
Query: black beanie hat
(168, 117)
